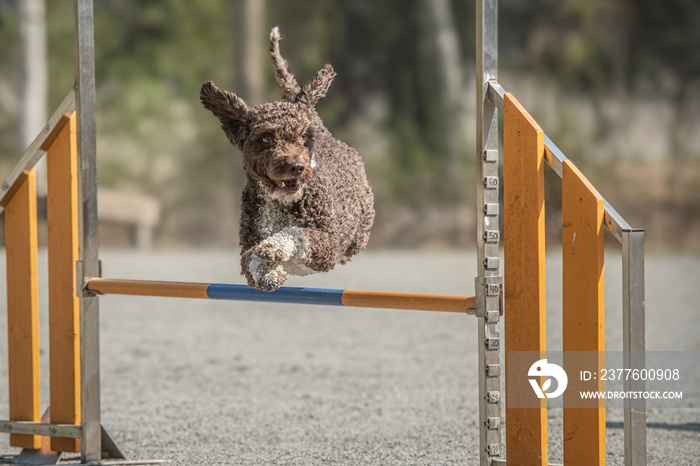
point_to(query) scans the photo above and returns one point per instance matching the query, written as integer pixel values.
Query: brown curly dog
(306, 204)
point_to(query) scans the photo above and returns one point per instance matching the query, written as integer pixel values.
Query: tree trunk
(679, 126)
(251, 43)
(450, 88)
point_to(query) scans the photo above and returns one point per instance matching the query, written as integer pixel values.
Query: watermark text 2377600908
(662, 379)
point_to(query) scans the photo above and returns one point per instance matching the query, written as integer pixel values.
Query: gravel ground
(206, 382)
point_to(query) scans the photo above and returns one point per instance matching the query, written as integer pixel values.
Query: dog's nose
(296, 168)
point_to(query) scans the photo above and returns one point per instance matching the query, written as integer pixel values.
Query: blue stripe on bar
(323, 296)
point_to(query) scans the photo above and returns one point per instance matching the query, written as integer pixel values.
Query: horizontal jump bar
(321, 296)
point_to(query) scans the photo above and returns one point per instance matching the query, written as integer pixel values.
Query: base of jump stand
(45, 455)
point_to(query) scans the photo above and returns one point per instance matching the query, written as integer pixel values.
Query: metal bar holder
(488, 282)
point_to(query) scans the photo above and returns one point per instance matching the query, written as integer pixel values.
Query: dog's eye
(267, 139)
(304, 137)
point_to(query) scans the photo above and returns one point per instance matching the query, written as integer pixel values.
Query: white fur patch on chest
(273, 219)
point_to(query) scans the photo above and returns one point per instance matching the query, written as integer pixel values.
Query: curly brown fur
(306, 205)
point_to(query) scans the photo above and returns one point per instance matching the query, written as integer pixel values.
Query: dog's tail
(285, 80)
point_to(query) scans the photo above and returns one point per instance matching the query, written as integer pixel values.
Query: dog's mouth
(289, 186)
(285, 180)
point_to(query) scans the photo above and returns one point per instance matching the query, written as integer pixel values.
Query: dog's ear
(230, 109)
(317, 88)
(285, 80)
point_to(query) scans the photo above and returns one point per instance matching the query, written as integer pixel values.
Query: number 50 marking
(492, 236)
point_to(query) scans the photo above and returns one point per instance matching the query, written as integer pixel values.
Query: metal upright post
(91, 442)
(488, 282)
(633, 342)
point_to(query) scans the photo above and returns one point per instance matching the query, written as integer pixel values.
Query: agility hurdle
(75, 281)
(291, 295)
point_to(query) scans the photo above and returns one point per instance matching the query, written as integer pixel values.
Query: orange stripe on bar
(419, 302)
(149, 288)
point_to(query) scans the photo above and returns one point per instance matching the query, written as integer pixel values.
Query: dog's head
(277, 138)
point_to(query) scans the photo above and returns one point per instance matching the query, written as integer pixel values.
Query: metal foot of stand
(44, 455)
(110, 450)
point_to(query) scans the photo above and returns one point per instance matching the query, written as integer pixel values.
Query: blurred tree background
(616, 83)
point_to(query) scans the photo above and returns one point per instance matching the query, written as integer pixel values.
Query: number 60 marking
(491, 182)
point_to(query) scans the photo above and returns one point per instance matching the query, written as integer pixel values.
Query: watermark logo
(542, 368)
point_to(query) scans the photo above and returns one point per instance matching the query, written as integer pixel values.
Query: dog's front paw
(287, 244)
(266, 276)
(272, 280)
(273, 250)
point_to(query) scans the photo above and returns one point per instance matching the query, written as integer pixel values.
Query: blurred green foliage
(152, 57)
